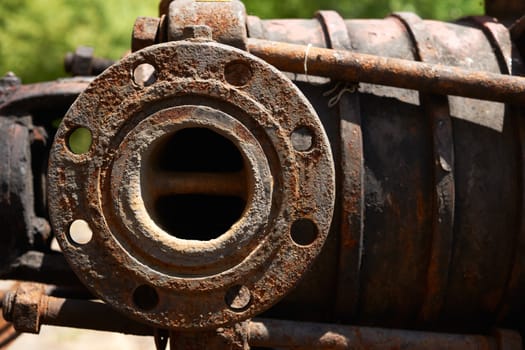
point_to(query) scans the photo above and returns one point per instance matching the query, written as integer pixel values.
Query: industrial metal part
(83, 63)
(260, 173)
(373, 186)
(356, 67)
(39, 309)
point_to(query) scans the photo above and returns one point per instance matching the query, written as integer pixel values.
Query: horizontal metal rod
(213, 184)
(356, 67)
(262, 332)
(303, 335)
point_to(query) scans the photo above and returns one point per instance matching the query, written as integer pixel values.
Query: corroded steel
(258, 332)
(278, 334)
(21, 226)
(164, 276)
(209, 185)
(355, 67)
(438, 109)
(227, 19)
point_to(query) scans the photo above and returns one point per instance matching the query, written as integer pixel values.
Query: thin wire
(306, 61)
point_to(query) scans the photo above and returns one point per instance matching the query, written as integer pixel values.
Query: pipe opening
(194, 184)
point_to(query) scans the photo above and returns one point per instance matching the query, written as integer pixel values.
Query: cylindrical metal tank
(428, 230)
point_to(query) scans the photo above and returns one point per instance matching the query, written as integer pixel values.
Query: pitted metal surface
(164, 276)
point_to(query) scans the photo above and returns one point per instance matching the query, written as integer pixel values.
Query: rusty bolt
(80, 62)
(200, 32)
(24, 307)
(145, 32)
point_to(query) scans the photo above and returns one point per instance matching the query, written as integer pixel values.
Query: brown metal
(227, 19)
(232, 184)
(145, 33)
(234, 338)
(28, 307)
(279, 334)
(355, 67)
(83, 63)
(427, 230)
(21, 226)
(24, 99)
(180, 281)
(438, 110)
(352, 172)
(39, 309)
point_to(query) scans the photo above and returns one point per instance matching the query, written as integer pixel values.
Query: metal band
(437, 107)
(499, 38)
(352, 180)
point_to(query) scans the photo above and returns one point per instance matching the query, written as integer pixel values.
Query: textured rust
(145, 32)
(182, 283)
(437, 108)
(22, 99)
(355, 67)
(279, 334)
(427, 229)
(256, 333)
(227, 19)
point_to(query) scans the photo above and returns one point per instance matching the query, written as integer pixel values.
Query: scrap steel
(311, 183)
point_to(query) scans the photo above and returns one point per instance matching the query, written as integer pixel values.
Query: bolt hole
(302, 139)
(145, 297)
(80, 232)
(238, 298)
(80, 140)
(238, 73)
(304, 232)
(144, 75)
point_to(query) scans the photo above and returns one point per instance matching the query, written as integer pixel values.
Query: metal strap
(437, 108)
(352, 180)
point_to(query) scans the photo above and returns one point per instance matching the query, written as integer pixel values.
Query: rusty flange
(139, 259)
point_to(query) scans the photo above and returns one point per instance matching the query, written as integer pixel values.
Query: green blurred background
(35, 34)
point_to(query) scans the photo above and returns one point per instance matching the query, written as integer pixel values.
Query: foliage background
(36, 34)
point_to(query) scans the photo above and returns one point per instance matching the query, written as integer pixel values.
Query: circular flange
(286, 184)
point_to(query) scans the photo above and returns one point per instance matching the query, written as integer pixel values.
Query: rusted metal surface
(145, 33)
(438, 111)
(234, 338)
(354, 67)
(83, 63)
(39, 309)
(283, 334)
(177, 276)
(22, 228)
(28, 307)
(208, 188)
(24, 99)
(227, 19)
(402, 170)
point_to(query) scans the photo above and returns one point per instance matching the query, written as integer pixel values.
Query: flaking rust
(373, 186)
